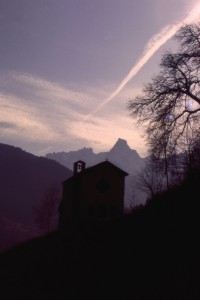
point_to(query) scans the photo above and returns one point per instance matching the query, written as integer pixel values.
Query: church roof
(99, 165)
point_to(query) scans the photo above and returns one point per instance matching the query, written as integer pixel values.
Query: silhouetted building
(96, 192)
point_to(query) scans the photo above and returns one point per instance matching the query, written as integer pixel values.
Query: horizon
(74, 150)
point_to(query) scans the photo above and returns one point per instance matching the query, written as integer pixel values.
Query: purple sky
(60, 60)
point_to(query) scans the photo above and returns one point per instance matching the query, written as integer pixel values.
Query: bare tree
(170, 104)
(192, 165)
(151, 179)
(186, 146)
(46, 213)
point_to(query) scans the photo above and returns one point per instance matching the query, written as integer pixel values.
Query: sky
(69, 67)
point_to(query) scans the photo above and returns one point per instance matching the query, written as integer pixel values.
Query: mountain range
(120, 154)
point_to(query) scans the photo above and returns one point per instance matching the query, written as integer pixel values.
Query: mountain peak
(121, 141)
(121, 144)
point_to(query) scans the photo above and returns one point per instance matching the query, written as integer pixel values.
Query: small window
(79, 167)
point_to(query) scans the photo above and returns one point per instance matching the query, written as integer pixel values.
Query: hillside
(151, 254)
(24, 179)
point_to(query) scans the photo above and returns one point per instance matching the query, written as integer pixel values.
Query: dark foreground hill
(24, 179)
(152, 254)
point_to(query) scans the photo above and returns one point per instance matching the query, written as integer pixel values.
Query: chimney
(79, 166)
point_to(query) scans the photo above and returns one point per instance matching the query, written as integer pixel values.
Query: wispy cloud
(34, 105)
(7, 125)
(152, 46)
(51, 115)
(23, 118)
(52, 94)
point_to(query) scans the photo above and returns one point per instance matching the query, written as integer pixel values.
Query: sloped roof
(80, 161)
(90, 169)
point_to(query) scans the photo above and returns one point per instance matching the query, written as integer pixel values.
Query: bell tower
(79, 166)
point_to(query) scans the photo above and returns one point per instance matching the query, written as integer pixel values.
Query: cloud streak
(37, 111)
(152, 46)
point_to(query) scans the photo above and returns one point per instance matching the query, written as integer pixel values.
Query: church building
(96, 193)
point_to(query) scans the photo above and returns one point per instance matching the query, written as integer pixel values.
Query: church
(94, 193)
